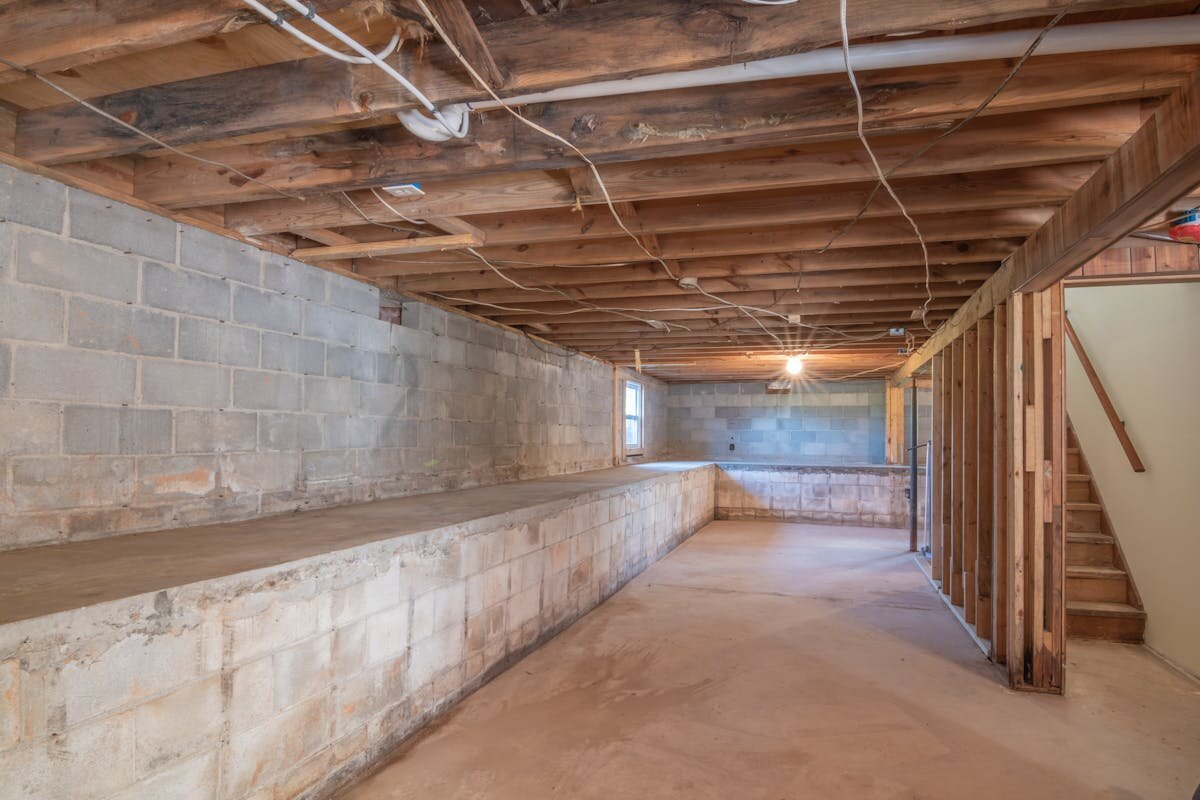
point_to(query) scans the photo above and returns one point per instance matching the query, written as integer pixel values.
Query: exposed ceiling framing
(740, 187)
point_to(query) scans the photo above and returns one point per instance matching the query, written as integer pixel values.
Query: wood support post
(984, 481)
(933, 469)
(894, 425)
(1000, 484)
(957, 482)
(1037, 488)
(970, 472)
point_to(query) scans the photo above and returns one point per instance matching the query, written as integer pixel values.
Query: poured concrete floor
(782, 662)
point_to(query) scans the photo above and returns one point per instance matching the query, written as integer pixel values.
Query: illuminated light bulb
(795, 365)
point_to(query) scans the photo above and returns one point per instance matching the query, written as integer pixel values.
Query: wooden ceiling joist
(740, 188)
(967, 226)
(641, 127)
(1052, 138)
(625, 38)
(53, 35)
(799, 265)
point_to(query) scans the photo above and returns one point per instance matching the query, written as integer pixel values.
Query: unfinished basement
(593, 399)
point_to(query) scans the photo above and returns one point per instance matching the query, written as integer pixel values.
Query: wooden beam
(683, 122)
(53, 35)
(864, 281)
(804, 267)
(624, 39)
(1158, 164)
(933, 471)
(984, 525)
(1037, 139)
(894, 425)
(967, 226)
(1000, 485)
(957, 470)
(420, 244)
(970, 472)
(453, 18)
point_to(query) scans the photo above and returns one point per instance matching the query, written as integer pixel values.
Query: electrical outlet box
(896, 331)
(405, 190)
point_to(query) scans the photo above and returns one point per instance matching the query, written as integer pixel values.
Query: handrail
(1110, 410)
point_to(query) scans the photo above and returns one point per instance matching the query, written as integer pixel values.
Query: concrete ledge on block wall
(286, 656)
(868, 495)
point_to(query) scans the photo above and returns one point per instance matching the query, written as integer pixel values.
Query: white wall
(1145, 343)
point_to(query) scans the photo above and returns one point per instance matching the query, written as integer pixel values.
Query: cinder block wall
(818, 423)
(287, 681)
(154, 375)
(865, 496)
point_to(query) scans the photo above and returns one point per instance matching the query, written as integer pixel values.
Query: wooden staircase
(1102, 602)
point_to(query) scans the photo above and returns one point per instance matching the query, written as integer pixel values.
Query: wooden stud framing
(1000, 471)
(970, 473)
(933, 469)
(1036, 530)
(957, 482)
(984, 512)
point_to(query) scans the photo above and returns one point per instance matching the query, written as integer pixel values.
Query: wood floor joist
(626, 38)
(1056, 137)
(638, 127)
(754, 191)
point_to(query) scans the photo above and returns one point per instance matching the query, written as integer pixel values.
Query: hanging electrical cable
(979, 109)
(862, 137)
(595, 172)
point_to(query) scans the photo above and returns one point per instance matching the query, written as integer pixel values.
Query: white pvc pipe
(1092, 37)
(457, 130)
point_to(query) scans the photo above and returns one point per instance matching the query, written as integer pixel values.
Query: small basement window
(635, 422)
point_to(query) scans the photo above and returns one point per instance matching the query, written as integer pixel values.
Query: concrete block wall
(864, 496)
(290, 680)
(154, 375)
(818, 423)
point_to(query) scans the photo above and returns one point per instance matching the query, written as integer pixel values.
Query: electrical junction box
(405, 190)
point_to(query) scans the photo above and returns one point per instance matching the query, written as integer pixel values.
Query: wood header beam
(1157, 165)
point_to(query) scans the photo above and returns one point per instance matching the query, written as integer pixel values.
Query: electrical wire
(32, 73)
(546, 132)
(394, 228)
(979, 109)
(862, 137)
(457, 131)
(595, 172)
(279, 21)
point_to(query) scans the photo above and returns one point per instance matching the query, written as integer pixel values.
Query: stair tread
(1079, 476)
(1089, 537)
(1089, 571)
(1097, 608)
(1080, 505)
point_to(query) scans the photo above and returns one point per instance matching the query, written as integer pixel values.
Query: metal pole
(912, 478)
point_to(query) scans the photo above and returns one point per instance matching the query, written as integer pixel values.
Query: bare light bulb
(795, 365)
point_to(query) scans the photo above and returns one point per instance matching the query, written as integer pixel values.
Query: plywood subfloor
(783, 662)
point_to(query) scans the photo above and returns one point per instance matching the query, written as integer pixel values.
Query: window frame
(640, 416)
